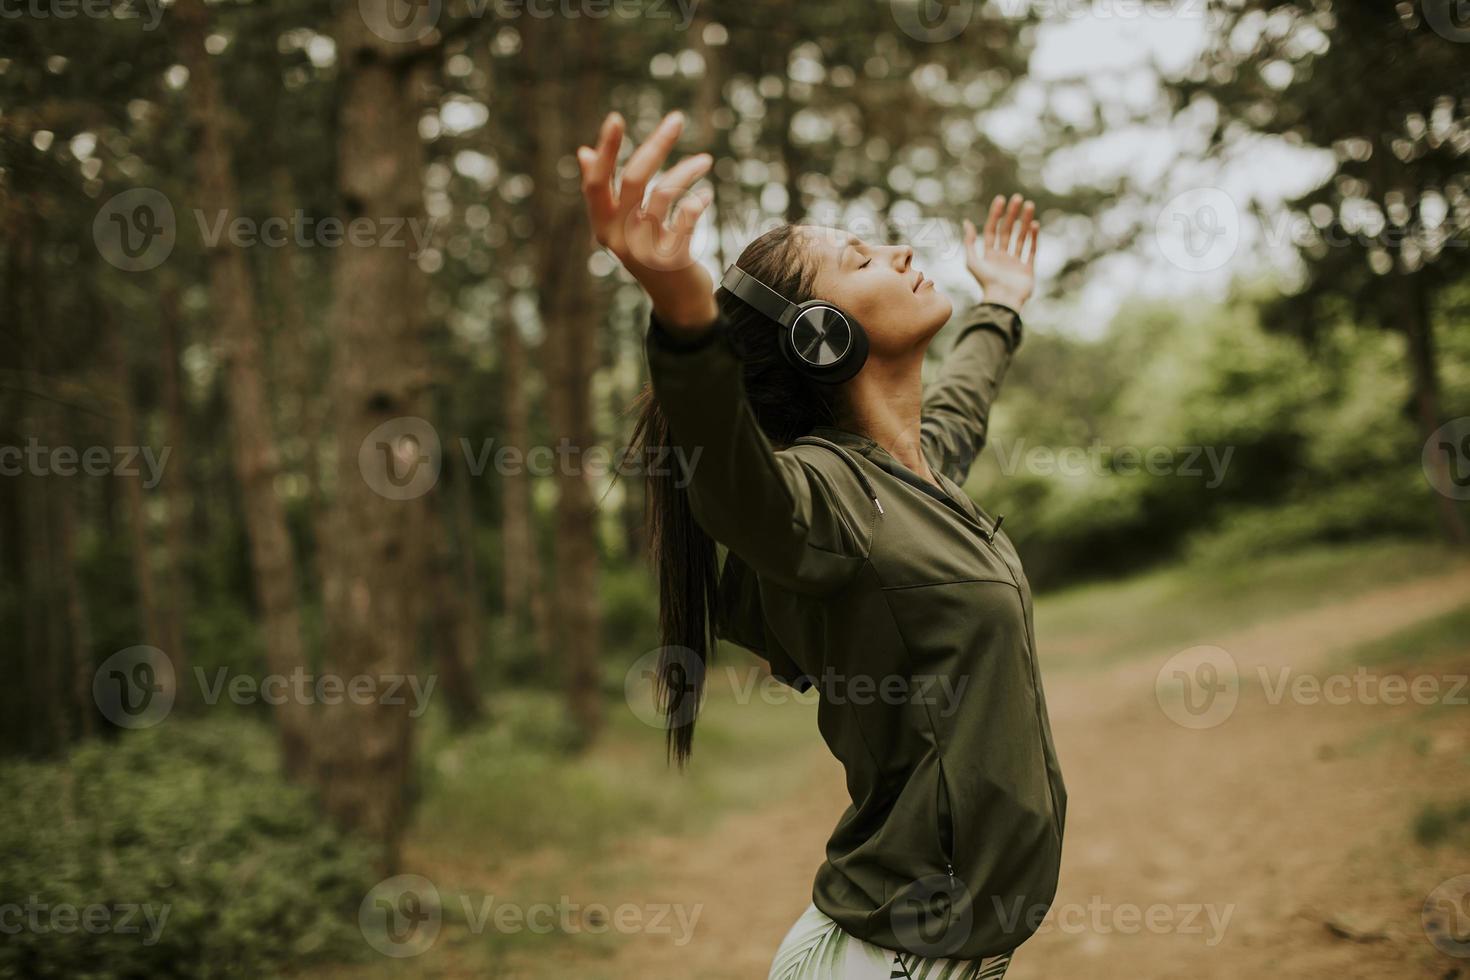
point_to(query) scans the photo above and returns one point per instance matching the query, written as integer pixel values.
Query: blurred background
(328, 633)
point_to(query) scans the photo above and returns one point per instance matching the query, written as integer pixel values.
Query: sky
(1206, 233)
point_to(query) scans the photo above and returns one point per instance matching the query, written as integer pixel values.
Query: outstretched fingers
(597, 169)
(1008, 224)
(645, 161)
(686, 215)
(674, 182)
(992, 220)
(1023, 228)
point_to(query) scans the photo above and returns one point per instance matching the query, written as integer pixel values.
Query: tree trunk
(298, 353)
(568, 58)
(175, 486)
(452, 622)
(373, 559)
(1419, 326)
(256, 463)
(527, 616)
(79, 661)
(126, 432)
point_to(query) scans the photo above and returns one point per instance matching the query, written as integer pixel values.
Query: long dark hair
(786, 405)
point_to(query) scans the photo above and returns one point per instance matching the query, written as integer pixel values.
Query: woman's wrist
(1001, 298)
(686, 321)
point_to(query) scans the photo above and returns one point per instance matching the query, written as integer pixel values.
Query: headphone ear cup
(824, 343)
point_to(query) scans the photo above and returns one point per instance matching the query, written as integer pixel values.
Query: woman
(855, 562)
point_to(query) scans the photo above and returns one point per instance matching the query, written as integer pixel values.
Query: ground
(1279, 841)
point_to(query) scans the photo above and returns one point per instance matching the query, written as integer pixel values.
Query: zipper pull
(996, 530)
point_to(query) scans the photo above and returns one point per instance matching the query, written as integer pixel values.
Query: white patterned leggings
(816, 948)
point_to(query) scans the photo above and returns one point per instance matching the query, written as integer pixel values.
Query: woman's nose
(903, 256)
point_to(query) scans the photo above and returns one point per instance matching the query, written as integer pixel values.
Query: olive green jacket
(906, 605)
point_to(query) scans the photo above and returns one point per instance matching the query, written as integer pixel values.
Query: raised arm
(956, 411)
(784, 516)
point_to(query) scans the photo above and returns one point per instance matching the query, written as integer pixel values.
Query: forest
(324, 547)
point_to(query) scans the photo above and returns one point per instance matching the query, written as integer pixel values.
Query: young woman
(855, 563)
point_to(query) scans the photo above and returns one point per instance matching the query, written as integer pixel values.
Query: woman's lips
(920, 282)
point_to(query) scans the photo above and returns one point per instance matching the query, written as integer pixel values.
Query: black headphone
(818, 339)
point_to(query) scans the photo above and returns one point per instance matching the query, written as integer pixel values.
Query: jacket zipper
(989, 537)
(945, 820)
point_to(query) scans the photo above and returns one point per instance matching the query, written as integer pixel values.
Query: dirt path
(1240, 842)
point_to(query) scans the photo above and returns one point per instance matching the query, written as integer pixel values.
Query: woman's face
(897, 305)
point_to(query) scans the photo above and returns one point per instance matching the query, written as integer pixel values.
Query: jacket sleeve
(956, 412)
(782, 515)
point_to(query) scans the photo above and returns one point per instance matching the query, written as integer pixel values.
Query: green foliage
(1438, 822)
(192, 822)
(1266, 441)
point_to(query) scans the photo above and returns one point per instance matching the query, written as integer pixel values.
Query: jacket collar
(845, 439)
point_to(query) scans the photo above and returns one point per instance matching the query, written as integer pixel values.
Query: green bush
(190, 821)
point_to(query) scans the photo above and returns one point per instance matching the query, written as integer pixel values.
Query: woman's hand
(651, 242)
(1003, 266)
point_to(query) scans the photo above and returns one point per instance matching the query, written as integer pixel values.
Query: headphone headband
(751, 290)
(817, 338)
